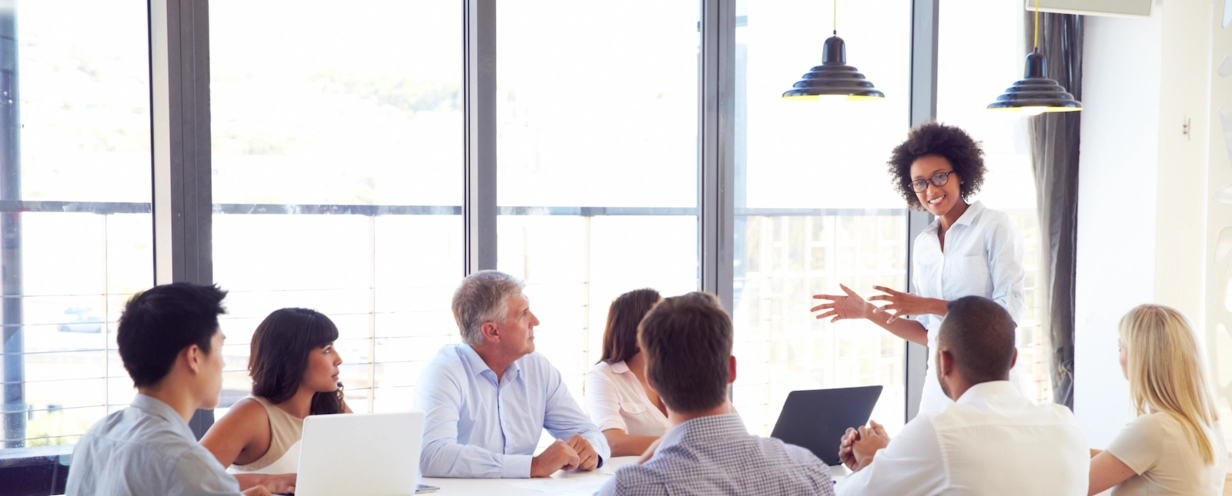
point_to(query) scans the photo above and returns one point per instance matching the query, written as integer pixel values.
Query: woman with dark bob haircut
(967, 250)
(294, 370)
(619, 400)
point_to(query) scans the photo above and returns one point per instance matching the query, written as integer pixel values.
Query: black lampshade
(1036, 93)
(833, 78)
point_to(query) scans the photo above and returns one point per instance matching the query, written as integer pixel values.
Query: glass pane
(310, 105)
(74, 209)
(814, 204)
(1009, 185)
(597, 146)
(351, 124)
(601, 109)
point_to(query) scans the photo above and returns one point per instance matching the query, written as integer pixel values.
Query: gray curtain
(1054, 139)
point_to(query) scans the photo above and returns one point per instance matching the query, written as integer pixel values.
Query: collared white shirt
(615, 399)
(982, 257)
(146, 448)
(476, 427)
(716, 456)
(992, 441)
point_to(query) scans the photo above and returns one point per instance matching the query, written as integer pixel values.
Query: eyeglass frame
(945, 178)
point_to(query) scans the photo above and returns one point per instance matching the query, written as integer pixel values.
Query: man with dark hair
(991, 440)
(172, 348)
(687, 342)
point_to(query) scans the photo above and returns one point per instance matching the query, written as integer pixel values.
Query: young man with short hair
(688, 343)
(171, 346)
(991, 440)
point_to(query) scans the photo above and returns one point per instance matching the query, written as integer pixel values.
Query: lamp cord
(1036, 48)
(837, 17)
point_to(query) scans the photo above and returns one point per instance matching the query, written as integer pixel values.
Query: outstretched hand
(840, 307)
(902, 304)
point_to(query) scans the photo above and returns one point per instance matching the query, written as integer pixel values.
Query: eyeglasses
(939, 179)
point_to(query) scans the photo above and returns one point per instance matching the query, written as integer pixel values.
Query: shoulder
(602, 371)
(538, 364)
(448, 360)
(996, 221)
(245, 418)
(1152, 426)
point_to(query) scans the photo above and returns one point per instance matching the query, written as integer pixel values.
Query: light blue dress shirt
(478, 428)
(145, 449)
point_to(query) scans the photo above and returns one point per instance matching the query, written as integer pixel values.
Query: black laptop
(815, 419)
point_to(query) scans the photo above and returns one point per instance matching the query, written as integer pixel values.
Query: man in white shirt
(992, 440)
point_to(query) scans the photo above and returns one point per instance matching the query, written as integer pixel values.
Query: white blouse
(615, 400)
(982, 257)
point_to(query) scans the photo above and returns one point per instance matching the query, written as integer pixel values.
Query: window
(74, 209)
(1009, 185)
(337, 157)
(814, 204)
(597, 156)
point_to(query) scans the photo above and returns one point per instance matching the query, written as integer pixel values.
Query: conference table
(567, 483)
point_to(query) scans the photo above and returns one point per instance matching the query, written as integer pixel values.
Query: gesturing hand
(588, 458)
(558, 456)
(901, 303)
(849, 306)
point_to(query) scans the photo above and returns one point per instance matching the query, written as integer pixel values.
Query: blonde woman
(1175, 446)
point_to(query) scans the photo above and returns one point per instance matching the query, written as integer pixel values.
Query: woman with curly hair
(294, 370)
(967, 250)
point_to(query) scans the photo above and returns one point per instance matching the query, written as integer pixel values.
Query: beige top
(615, 399)
(285, 434)
(1166, 460)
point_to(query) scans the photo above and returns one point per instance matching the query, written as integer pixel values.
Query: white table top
(568, 483)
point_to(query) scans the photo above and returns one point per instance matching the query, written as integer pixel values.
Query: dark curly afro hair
(949, 142)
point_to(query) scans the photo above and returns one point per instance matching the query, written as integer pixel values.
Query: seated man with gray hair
(489, 399)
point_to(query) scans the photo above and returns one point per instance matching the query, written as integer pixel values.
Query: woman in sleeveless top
(968, 250)
(294, 370)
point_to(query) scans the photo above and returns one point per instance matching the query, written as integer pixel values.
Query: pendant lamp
(1036, 93)
(833, 79)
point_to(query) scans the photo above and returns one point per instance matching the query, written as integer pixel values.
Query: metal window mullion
(924, 23)
(180, 121)
(479, 108)
(716, 142)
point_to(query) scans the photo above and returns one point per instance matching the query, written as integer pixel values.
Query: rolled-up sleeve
(603, 402)
(563, 417)
(1004, 246)
(440, 396)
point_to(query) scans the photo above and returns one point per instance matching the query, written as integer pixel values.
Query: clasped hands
(860, 445)
(576, 453)
(852, 306)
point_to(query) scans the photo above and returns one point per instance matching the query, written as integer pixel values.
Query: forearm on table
(248, 481)
(623, 444)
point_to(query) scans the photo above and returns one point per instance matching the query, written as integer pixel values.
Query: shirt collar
(965, 219)
(619, 367)
(478, 366)
(704, 430)
(979, 393)
(156, 407)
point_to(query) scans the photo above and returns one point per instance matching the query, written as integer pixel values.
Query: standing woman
(967, 250)
(618, 398)
(294, 370)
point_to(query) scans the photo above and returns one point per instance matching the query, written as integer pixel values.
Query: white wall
(1140, 212)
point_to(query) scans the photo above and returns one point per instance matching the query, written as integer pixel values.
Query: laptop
(373, 454)
(816, 419)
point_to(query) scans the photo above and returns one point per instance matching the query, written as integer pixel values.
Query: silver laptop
(373, 454)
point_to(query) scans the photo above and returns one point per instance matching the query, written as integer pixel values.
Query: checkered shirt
(715, 455)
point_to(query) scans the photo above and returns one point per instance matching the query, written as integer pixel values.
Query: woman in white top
(1175, 446)
(618, 399)
(294, 370)
(968, 250)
